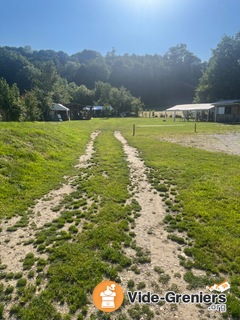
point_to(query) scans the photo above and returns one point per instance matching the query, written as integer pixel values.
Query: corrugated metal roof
(191, 107)
(226, 102)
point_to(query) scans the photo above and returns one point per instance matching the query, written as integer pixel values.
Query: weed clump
(175, 238)
(164, 278)
(130, 284)
(28, 261)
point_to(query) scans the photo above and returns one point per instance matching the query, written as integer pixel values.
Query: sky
(129, 26)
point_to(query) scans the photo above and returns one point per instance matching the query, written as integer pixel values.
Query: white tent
(191, 107)
(58, 107)
(195, 107)
(59, 112)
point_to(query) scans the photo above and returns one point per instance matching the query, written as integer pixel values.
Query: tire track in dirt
(151, 236)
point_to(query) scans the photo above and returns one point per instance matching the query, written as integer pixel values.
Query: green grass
(200, 189)
(34, 157)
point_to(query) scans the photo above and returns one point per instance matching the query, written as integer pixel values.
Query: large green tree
(221, 80)
(183, 70)
(81, 94)
(10, 106)
(45, 86)
(102, 93)
(31, 110)
(120, 99)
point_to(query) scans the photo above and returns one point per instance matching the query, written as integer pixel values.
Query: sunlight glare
(141, 4)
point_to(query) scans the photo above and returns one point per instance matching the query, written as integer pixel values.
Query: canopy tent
(58, 112)
(192, 107)
(58, 107)
(195, 107)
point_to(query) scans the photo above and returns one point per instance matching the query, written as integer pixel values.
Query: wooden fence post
(134, 129)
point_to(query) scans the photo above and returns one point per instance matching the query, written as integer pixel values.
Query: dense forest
(31, 80)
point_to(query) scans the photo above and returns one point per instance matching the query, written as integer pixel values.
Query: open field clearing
(86, 201)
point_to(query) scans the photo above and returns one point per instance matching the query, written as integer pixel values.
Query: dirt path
(151, 235)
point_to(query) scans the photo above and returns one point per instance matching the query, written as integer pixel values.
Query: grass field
(86, 243)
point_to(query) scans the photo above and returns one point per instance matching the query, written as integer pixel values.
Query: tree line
(31, 80)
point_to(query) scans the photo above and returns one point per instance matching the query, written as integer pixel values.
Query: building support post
(174, 116)
(195, 115)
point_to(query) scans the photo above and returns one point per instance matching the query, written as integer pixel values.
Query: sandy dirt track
(226, 142)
